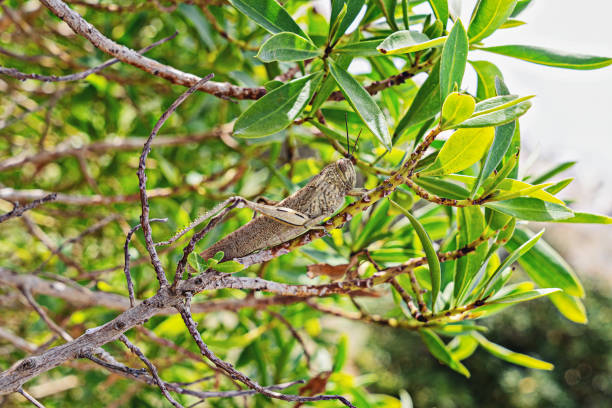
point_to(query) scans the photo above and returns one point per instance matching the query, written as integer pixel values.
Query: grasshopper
(293, 216)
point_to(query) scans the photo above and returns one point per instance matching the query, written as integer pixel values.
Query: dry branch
(153, 67)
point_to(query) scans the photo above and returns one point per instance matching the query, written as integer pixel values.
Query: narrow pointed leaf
(440, 9)
(405, 41)
(277, 109)
(442, 188)
(368, 48)
(510, 259)
(552, 58)
(570, 306)
(453, 60)
(520, 193)
(520, 6)
(488, 16)
(559, 186)
(353, 7)
(430, 253)
(511, 356)
(268, 14)
(524, 296)
(363, 104)
(464, 148)
(545, 266)
(532, 209)
(553, 172)
(498, 117)
(486, 72)
(287, 47)
(587, 218)
(495, 155)
(439, 350)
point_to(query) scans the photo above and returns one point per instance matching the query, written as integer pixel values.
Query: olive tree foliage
(105, 161)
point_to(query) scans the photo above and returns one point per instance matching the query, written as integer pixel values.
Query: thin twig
(30, 398)
(142, 181)
(19, 209)
(12, 72)
(126, 257)
(206, 352)
(153, 67)
(152, 370)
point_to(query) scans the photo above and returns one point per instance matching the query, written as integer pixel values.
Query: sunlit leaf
(464, 148)
(553, 58)
(511, 356)
(487, 17)
(268, 14)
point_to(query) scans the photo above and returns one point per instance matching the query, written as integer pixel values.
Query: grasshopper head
(346, 172)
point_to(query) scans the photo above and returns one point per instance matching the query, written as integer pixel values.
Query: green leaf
(495, 155)
(388, 9)
(471, 224)
(545, 266)
(430, 253)
(520, 6)
(439, 350)
(497, 117)
(455, 109)
(463, 346)
(341, 354)
(510, 259)
(462, 149)
(197, 262)
(558, 186)
(487, 17)
(586, 218)
(228, 267)
(453, 60)
(405, 41)
(507, 184)
(218, 256)
(277, 109)
(520, 193)
(363, 104)
(442, 188)
(287, 47)
(486, 72)
(532, 209)
(268, 14)
(570, 306)
(553, 172)
(552, 58)
(329, 84)
(523, 296)
(367, 48)
(511, 356)
(353, 7)
(337, 15)
(378, 218)
(440, 9)
(426, 103)
(511, 24)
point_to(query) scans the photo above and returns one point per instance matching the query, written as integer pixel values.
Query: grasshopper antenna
(348, 146)
(356, 140)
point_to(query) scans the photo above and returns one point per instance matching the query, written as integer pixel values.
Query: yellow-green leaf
(511, 356)
(456, 109)
(464, 148)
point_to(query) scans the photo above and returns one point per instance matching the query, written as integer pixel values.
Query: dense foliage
(429, 248)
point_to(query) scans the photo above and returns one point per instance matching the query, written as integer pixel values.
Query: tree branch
(153, 67)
